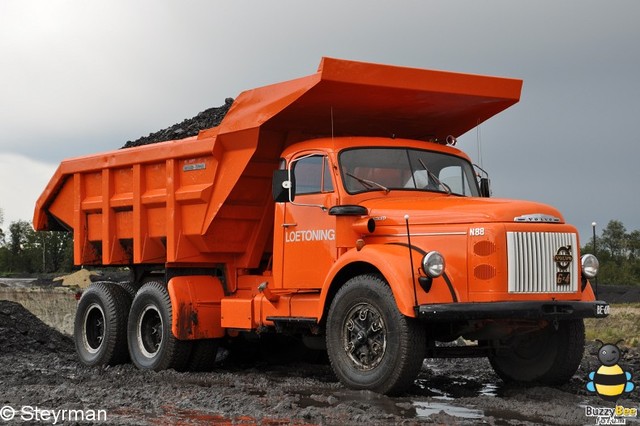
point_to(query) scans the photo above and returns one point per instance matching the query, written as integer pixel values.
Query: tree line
(24, 250)
(619, 254)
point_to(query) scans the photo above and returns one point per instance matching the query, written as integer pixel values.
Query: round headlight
(433, 264)
(590, 265)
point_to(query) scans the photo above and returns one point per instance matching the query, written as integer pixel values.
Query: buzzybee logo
(610, 380)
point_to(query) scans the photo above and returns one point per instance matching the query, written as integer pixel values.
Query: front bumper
(513, 310)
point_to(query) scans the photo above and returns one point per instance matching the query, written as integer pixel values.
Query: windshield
(387, 169)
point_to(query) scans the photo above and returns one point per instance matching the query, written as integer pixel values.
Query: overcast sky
(81, 77)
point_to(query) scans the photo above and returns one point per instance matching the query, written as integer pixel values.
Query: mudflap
(196, 307)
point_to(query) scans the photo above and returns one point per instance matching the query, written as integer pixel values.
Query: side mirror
(485, 190)
(282, 188)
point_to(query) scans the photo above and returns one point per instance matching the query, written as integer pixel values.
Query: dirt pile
(206, 119)
(81, 278)
(22, 332)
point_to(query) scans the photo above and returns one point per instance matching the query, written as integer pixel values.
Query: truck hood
(441, 209)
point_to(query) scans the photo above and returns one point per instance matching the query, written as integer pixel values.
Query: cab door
(309, 232)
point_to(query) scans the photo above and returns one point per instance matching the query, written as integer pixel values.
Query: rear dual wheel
(152, 345)
(203, 355)
(100, 326)
(109, 329)
(129, 287)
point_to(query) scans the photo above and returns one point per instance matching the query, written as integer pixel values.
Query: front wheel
(370, 344)
(549, 356)
(152, 345)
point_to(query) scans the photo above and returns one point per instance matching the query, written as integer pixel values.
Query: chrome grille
(532, 262)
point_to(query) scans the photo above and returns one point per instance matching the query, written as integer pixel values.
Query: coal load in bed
(207, 119)
(23, 332)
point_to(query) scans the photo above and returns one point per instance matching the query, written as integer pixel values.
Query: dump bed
(207, 199)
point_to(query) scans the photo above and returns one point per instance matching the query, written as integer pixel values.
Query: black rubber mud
(172, 353)
(406, 339)
(554, 359)
(115, 303)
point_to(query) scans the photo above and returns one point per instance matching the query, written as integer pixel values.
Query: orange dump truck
(336, 208)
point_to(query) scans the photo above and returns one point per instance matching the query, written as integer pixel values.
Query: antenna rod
(479, 143)
(413, 274)
(331, 122)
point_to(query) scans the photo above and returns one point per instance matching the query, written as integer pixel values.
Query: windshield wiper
(435, 178)
(369, 184)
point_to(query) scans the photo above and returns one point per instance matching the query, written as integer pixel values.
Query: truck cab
(410, 215)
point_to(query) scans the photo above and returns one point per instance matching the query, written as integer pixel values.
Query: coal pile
(206, 119)
(23, 332)
(619, 293)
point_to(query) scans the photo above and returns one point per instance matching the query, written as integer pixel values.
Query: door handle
(287, 225)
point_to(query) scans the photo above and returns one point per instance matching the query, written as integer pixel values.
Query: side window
(454, 177)
(312, 175)
(327, 183)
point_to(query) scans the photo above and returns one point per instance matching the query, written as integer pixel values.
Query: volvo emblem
(563, 257)
(537, 217)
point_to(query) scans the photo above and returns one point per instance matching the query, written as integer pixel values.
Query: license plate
(563, 278)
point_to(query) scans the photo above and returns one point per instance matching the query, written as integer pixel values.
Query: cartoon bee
(610, 381)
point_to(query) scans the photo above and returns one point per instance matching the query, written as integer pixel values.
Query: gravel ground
(38, 368)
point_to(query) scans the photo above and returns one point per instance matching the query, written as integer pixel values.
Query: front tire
(152, 345)
(549, 356)
(370, 344)
(100, 326)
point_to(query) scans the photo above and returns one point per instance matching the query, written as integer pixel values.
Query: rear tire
(203, 355)
(152, 345)
(549, 356)
(370, 344)
(129, 288)
(100, 327)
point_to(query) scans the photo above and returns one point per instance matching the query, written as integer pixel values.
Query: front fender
(393, 263)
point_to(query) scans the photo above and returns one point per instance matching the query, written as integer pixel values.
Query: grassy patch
(623, 323)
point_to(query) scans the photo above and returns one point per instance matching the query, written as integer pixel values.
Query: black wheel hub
(94, 328)
(364, 336)
(150, 331)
